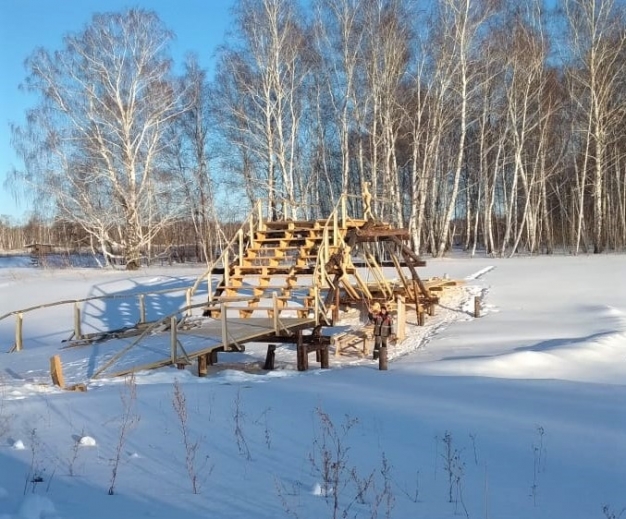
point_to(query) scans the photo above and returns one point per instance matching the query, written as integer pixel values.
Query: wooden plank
(375, 234)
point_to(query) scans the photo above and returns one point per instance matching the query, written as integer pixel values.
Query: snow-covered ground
(518, 414)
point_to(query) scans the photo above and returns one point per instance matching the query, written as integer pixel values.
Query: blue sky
(199, 25)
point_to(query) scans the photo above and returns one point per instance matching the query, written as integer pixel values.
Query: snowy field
(518, 414)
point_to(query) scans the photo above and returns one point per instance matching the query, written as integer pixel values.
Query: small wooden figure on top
(367, 201)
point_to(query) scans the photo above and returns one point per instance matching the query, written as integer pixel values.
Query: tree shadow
(23, 496)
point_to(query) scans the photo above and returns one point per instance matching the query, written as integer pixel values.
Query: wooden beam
(380, 234)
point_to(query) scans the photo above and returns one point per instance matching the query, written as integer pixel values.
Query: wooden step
(268, 270)
(269, 252)
(291, 224)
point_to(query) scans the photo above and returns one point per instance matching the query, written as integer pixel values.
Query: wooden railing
(235, 249)
(77, 334)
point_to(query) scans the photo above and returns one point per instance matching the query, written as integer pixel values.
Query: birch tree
(92, 146)
(259, 88)
(340, 37)
(597, 38)
(463, 20)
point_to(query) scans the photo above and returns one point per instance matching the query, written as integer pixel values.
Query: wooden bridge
(281, 278)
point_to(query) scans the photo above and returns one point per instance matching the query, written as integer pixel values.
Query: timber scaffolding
(312, 267)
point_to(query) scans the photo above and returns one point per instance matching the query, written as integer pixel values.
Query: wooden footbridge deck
(181, 347)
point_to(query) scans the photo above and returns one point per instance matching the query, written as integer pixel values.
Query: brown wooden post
(173, 339)
(476, 306)
(431, 309)
(270, 357)
(382, 358)
(301, 352)
(421, 317)
(77, 333)
(188, 298)
(335, 316)
(56, 371)
(19, 338)
(223, 319)
(212, 358)
(202, 366)
(142, 308)
(324, 356)
(400, 318)
(275, 320)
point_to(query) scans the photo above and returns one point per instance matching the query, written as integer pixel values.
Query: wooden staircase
(282, 262)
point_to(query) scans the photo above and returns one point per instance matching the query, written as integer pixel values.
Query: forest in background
(496, 126)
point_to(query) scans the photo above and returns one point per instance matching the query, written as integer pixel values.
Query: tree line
(498, 126)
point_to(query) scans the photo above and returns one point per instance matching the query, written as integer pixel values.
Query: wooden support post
(421, 317)
(336, 306)
(212, 358)
(188, 297)
(275, 321)
(301, 352)
(382, 358)
(240, 238)
(19, 338)
(477, 306)
(202, 366)
(401, 318)
(209, 282)
(77, 332)
(260, 215)
(344, 215)
(56, 371)
(142, 308)
(431, 308)
(324, 356)
(224, 326)
(250, 234)
(316, 303)
(270, 357)
(173, 339)
(226, 263)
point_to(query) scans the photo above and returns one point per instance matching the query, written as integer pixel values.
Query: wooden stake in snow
(56, 372)
(477, 306)
(19, 343)
(202, 366)
(382, 358)
(270, 357)
(401, 318)
(77, 332)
